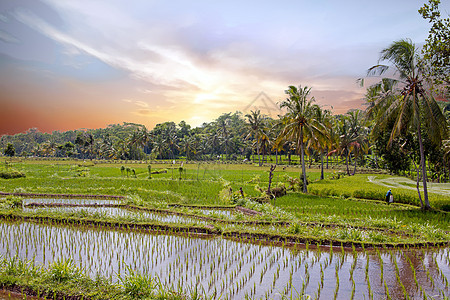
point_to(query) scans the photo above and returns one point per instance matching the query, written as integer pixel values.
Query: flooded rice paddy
(28, 201)
(234, 269)
(105, 208)
(138, 216)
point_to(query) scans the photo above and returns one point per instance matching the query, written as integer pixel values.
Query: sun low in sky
(86, 64)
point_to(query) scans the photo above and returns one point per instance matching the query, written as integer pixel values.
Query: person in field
(389, 197)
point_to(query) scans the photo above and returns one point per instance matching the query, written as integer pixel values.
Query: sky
(71, 64)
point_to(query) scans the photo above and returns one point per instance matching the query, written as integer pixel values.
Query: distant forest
(232, 137)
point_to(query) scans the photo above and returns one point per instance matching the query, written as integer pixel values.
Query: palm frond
(377, 70)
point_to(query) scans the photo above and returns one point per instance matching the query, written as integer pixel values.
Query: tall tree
(298, 122)
(223, 129)
(256, 130)
(10, 151)
(414, 108)
(437, 46)
(323, 116)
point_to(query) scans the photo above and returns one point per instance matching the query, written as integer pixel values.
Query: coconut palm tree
(223, 129)
(159, 149)
(447, 152)
(256, 130)
(299, 123)
(323, 116)
(414, 108)
(186, 146)
(358, 132)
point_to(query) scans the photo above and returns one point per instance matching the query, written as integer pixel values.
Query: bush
(295, 183)
(64, 270)
(11, 202)
(446, 207)
(11, 174)
(136, 285)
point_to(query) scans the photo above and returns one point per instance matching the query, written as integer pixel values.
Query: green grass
(359, 186)
(62, 279)
(354, 212)
(338, 202)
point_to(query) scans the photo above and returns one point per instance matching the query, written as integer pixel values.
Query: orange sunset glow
(83, 64)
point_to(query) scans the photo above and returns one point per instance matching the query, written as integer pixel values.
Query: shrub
(445, 207)
(11, 174)
(295, 228)
(64, 270)
(136, 285)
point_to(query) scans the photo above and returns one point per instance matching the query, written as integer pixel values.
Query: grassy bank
(64, 280)
(374, 187)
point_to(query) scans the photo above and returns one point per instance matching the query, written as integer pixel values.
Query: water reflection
(134, 215)
(235, 269)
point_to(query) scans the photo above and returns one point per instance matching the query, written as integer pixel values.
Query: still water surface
(234, 269)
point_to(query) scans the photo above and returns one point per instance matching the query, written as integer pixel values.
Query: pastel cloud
(196, 60)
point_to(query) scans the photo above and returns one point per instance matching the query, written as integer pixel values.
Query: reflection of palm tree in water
(406, 271)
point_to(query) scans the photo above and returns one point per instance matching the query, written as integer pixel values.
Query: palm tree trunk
(346, 161)
(263, 157)
(310, 159)
(417, 184)
(327, 157)
(321, 166)
(424, 169)
(259, 154)
(302, 154)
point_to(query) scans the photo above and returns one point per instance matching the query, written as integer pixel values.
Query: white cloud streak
(219, 56)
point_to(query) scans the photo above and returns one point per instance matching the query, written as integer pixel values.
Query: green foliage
(295, 183)
(437, 46)
(64, 270)
(360, 187)
(295, 228)
(351, 234)
(337, 175)
(135, 200)
(11, 202)
(136, 285)
(11, 174)
(10, 150)
(405, 101)
(82, 172)
(394, 154)
(300, 123)
(15, 266)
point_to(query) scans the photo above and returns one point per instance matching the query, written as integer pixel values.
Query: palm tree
(106, 147)
(413, 107)
(138, 139)
(187, 147)
(170, 138)
(159, 147)
(447, 152)
(346, 142)
(256, 129)
(298, 122)
(324, 118)
(223, 130)
(358, 133)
